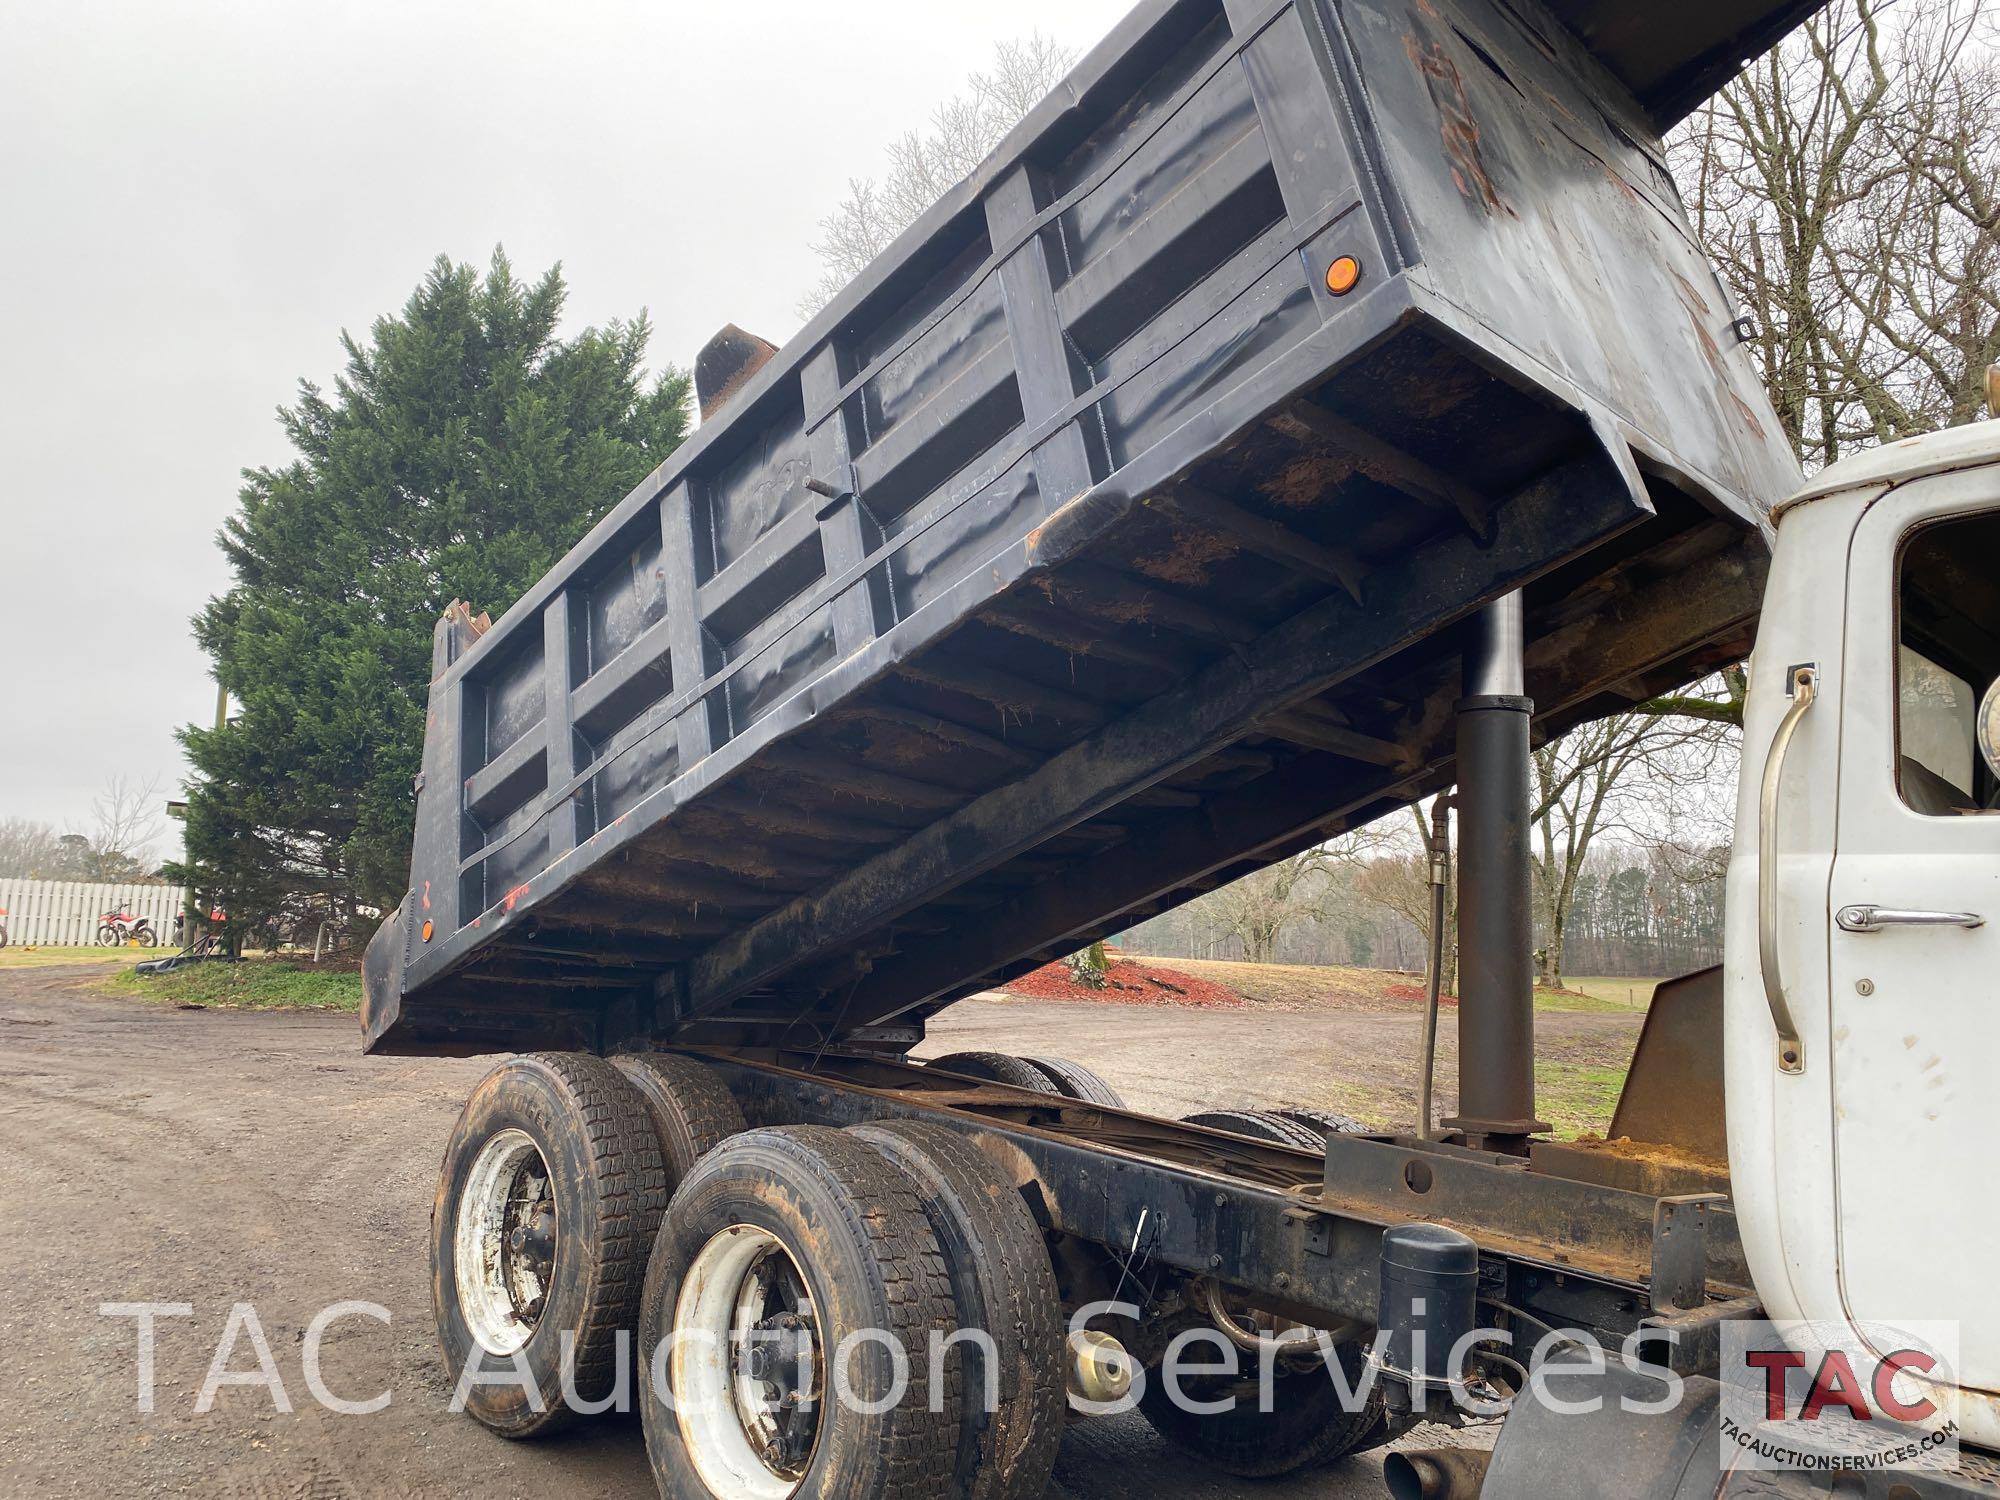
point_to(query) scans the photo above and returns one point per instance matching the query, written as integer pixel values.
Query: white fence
(67, 913)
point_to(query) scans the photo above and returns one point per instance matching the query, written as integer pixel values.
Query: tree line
(118, 846)
(1634, 911)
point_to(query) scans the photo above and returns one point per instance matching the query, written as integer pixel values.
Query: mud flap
(1611, 1449)
(382, 977)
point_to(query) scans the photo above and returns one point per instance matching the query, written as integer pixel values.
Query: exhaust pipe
(1436, 1473)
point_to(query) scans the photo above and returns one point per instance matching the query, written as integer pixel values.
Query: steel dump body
(1091, 551)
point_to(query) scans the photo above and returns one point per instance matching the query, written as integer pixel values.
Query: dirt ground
(216, 1157)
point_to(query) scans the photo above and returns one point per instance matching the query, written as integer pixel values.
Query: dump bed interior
(1096, 548)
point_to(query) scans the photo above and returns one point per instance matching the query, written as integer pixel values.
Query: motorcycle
(116, 928)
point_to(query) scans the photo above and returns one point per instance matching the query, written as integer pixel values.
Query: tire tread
(1325, 1121)
(1262, 1125)
(632, 1195)
(1074, 1081)
(1012, 1281)
(997, 1067)
(690, 1107)
(882, 1213)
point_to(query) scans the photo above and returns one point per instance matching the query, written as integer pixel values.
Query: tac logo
(1839, 1398)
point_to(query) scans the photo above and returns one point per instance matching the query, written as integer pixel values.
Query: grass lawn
(255, 984)
(1607, 994)
(1577, 1098)
(1309, 987)
(1575, 1001)
(15, 956)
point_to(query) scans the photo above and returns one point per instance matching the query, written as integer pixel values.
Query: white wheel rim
(727, 1416)
(501, 1287)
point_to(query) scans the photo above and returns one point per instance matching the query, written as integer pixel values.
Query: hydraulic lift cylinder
(1496, 975)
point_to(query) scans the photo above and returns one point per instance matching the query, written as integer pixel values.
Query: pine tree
(466, 446)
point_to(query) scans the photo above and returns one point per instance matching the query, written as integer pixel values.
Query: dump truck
(1309, 408)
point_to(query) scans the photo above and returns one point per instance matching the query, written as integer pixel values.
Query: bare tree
(125, 831)
(29, 850)
(1719, 701)
(1651, 777)
(1255, 909)
(122, 843)
(1848, 188)
(1398, 879)
(923, 164)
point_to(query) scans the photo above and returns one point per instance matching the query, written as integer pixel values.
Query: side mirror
(1989, 727)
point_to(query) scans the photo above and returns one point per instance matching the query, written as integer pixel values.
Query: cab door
(1914, 908)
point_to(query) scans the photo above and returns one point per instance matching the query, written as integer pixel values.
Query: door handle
(1875, 918)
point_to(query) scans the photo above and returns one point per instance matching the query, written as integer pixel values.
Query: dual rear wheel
(801, 1320)
(800, 1311)
(547, 1204)
(796, 1318)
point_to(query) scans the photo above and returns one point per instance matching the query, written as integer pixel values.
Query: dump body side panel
(1091, 549)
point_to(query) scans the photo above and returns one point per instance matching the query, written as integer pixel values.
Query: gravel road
(210, 1157)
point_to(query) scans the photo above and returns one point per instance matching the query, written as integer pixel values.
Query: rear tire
(690, 1106)
(1002, 1282)
(1260, 1125)
(1074, 1081)
(814, 1209)
(144, 936)
(546, 1206)
(1306, 1427)
(997, 1067)
(1325, 1121)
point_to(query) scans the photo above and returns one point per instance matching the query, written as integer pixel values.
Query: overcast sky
(195, 198)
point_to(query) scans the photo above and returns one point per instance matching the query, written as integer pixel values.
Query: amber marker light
(427, 929)
(1343, 275)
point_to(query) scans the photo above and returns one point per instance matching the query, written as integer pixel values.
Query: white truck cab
(1863, 965)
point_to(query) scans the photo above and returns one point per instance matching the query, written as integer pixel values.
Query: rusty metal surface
(1505, 1204)
(1091, 550)
(1642, 1172)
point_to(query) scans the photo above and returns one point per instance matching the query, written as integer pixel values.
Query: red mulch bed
(1125, 983)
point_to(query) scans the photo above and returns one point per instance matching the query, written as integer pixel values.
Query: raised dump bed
(1102, 542)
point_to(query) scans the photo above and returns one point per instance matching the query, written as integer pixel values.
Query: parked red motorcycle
(116, 928)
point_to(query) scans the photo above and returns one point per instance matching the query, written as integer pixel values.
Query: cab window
(1948, 612)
